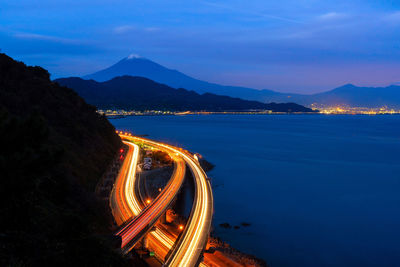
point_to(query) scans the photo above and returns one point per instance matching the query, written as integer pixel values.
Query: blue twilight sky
(287, 45)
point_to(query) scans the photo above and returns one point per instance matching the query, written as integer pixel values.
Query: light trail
(125, 204)
(148, 216)
(163, 238)
(118, 201)
(130, 181)
(194, 238)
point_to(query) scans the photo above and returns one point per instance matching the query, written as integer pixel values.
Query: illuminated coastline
(328, 110)
(123, 113)
(343, 109)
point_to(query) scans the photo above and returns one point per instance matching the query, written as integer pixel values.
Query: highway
(121, 210)
(145, 220)
(126, 206)
(193, 240)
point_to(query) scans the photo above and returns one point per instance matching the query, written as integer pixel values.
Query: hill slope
(143, 94)
(54, 149)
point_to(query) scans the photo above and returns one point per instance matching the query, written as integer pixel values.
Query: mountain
(140, 93)
(138, 66)
(355, 96)
(54, 149)
(346, 95)
(349, 95)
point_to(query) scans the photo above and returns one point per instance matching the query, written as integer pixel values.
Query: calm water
(317, 190)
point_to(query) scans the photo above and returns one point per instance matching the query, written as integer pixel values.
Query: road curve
(122, 210)
(126, 205)
(145, 220)
(193, 240)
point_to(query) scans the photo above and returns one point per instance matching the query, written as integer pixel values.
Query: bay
(317, 190)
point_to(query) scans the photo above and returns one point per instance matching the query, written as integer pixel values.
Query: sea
(317, 190)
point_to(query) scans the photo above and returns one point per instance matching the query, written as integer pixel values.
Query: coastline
(217, 250)
(150, 114)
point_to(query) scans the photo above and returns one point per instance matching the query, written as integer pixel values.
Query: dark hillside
(54, 149)
(138, 93)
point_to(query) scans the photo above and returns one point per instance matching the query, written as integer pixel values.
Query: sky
(299, 46)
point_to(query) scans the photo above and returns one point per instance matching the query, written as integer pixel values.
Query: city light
(343, 109)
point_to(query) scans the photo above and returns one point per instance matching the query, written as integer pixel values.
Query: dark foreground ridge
(54, 149)
(138, 93)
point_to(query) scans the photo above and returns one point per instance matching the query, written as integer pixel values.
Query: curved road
(125, 205)
(144, 221)
(121, 210)
(193, 240)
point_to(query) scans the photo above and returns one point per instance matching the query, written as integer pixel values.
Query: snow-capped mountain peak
(133, 56)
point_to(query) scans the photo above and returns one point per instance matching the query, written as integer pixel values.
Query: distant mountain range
(346, 95)
(138, 66)
(138, 93)
(354, 96)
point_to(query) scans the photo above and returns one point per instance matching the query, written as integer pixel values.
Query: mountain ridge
(139, 93)
(352, 96)
(144, 67)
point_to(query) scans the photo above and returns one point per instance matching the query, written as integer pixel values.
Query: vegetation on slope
(54, 149)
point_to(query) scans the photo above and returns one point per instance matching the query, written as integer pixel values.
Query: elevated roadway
(189, 247)
(127, 209)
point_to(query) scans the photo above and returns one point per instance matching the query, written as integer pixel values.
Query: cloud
(251, 13)
(129, 28)
(332, 16)
(123, 29)
(303, 34)
(151, 29)
(35, 36)
(24, 43)
(393, 17)
(221, 35)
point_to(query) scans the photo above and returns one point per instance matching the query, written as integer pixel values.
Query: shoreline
(115, 117)
(216, 248)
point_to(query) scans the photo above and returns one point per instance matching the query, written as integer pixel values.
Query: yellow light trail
(195, 236)
(130, 184)
(118, 203)
(124, 202)
(135, 229)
